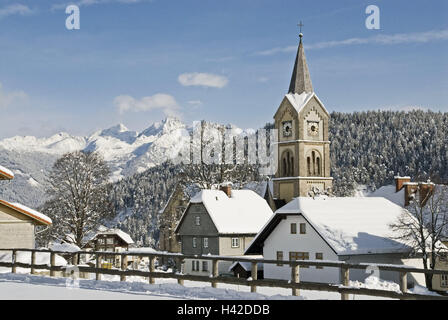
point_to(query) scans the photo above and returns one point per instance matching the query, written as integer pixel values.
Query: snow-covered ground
(25, 286)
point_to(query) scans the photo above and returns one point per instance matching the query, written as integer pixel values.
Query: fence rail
(294, 284)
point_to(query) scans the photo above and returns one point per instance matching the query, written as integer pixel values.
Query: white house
(325, 228)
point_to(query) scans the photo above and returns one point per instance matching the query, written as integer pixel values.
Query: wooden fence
(294, 284)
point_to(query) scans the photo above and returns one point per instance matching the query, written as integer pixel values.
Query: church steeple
(300, 80)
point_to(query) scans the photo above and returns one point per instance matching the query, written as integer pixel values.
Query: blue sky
(136, 61)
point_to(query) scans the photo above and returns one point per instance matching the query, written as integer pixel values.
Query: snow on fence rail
(294, 284)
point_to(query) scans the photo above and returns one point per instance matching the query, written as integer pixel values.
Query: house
(111, 240)
(220, 222)
(169, 217)
(18, 222)
(242, 269)
(355, 230)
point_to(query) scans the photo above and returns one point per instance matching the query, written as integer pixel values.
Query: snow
(123, 235)
(33, 182)
(6, 172)
(66, 247)
(244, 206)
(298, 101)
(19, 286)
(387, 192)
(28, 211)
(351, 225)
(247, 266)
(25, 257)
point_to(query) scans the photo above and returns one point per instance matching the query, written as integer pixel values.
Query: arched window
(308, 165)
(314, 164)
(287, 164)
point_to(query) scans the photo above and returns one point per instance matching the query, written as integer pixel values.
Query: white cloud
(12, 98)
(15, 9)
(202, 79)
(165, 102)
(382, 39)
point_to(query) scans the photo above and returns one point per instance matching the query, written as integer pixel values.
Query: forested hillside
(371, 147)
(366, 148)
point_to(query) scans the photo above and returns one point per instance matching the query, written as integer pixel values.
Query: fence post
(254, 274)
(152, 268)
(75, 259)
(124, 266)
(52, 263)
(179, 268)
(295, 278)
(33, 262)
(13, 260)
(214, 272)
(98, 266)
(403, 282)
(345, 277)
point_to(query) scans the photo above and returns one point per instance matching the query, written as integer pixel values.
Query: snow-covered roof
(245, 212)
(298, 101)
(389, 193)
(40, 217)
(259, 187)
(247, 266)
(64, 246)
(6, 174)
(123, 235)
(349, 225)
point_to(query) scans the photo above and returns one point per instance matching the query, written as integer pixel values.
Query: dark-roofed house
(220, 222)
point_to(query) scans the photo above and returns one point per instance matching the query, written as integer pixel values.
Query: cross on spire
(300, 25)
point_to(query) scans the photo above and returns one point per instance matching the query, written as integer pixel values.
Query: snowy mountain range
(127, 152)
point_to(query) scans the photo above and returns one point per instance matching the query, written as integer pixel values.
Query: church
(307, 223)
(303, 144)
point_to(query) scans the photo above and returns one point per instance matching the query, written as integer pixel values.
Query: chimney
(399, 181)
(227, 188)
(426, 190)
(409, 189)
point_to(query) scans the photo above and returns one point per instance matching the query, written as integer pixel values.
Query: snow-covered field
(25, 286)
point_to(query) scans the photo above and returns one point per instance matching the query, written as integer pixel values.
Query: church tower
(303, 145)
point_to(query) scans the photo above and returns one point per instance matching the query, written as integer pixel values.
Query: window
(204, 265)
(110, 241)
(444, 280)
(319, 256)
(279, 258)
(235, 242)
(197, 220)
(294, 256)
(195, 265)
(302, 228)
(101, 241)
(195, 243)
(293, 228)
(205, 242)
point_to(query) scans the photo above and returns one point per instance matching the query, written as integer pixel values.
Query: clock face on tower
(287, 128)
(313, 128)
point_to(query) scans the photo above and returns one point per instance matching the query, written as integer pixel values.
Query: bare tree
(212, 169)
(80, 196)
(425, 224)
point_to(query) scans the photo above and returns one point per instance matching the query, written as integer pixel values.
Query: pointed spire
(300, 80)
